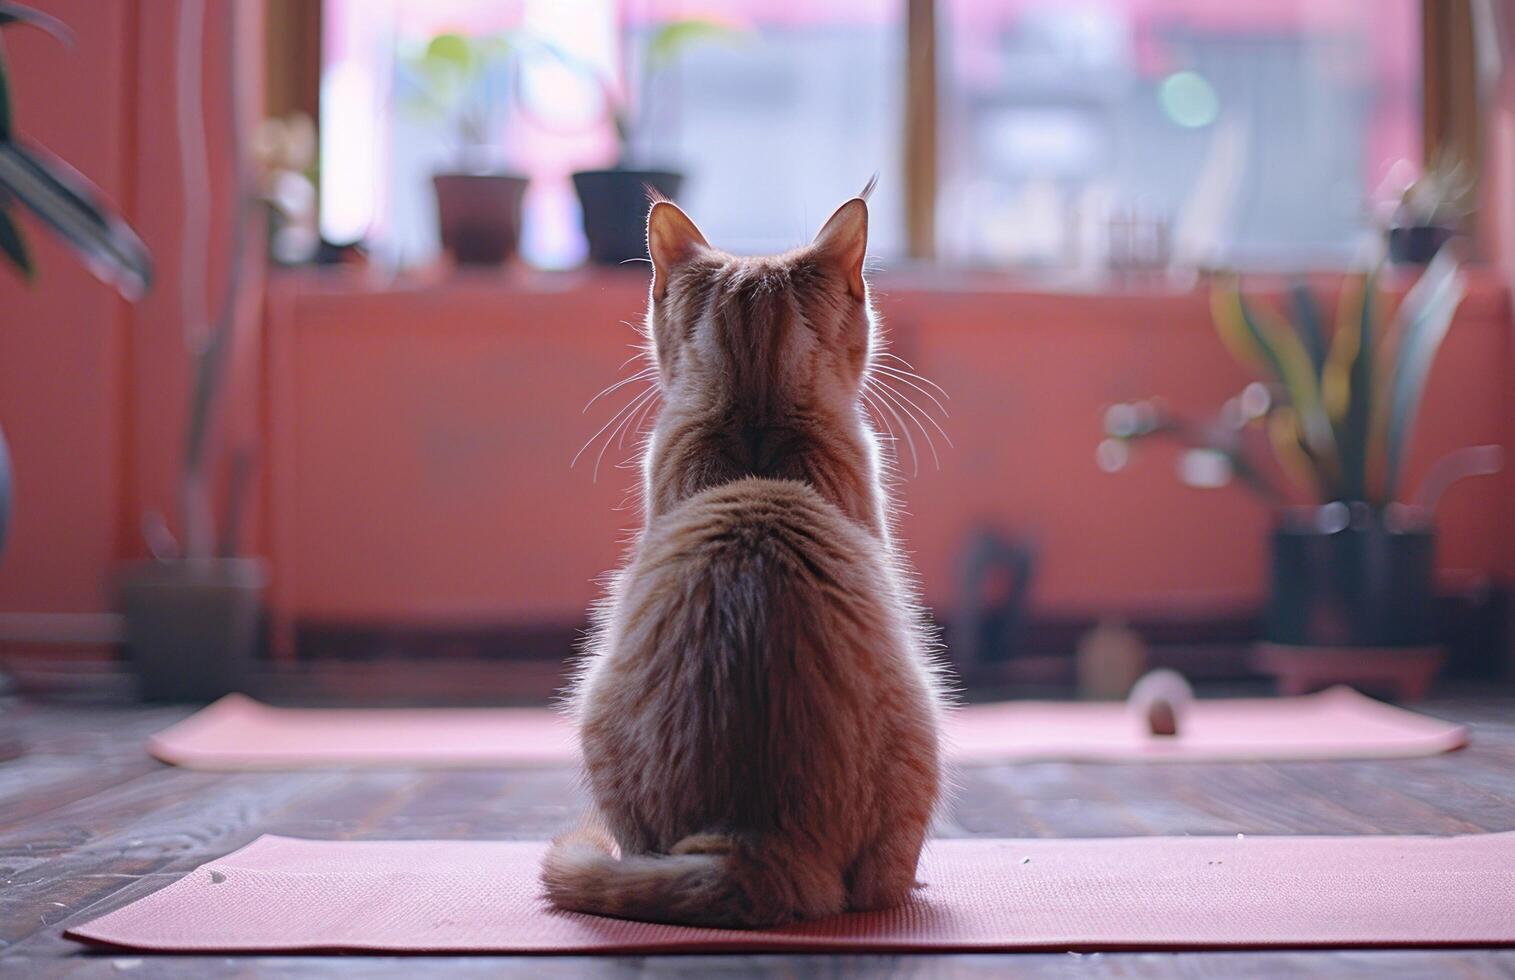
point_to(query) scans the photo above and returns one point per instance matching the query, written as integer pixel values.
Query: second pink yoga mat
(282, 895)
(239, 733)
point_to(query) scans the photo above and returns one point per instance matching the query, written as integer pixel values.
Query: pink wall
(92, 390)
(419, 437)
(423, 437)
(63, 344)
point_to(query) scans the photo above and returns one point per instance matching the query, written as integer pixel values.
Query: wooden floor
(88, 823)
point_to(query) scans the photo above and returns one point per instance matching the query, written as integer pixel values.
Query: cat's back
(753, 520)
(762, 653)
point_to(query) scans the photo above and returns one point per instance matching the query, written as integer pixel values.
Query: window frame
(1452, 109)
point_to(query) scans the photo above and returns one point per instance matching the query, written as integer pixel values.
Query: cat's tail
(707, 880)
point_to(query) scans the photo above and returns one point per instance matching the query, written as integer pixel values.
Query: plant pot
(1417, 244)
(1363, 586)
(479, 216)
(5, 491)
(615, 205)
(192, 626)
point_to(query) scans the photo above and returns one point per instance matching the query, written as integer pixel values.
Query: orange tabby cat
(758, 713)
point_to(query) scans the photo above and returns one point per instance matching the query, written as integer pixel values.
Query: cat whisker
(915, 460)
(894, 357)
(880, 420)
(902, 373)
(641, 352)
(641, 375)
(636, 427)
(913, 412)
(921, 412)
(640, 401)
(904, 380)
(629, 406)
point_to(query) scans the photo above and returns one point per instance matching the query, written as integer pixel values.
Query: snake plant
(1338, 406)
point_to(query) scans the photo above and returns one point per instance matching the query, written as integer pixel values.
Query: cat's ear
(672, 240)
(842, 243)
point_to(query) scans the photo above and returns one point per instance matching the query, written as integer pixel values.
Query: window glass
(1256, 131)
(775, 110)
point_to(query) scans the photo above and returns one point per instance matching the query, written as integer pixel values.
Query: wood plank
(104, 831)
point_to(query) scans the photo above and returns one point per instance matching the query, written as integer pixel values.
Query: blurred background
(305, 306)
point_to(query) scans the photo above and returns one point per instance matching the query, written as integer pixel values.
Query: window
(1244, 130)
(1259, 132)
(774, 122)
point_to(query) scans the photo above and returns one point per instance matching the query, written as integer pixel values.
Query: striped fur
(758, 711)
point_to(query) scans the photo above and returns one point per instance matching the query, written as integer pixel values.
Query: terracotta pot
(192, 627)
(479, 216)
(615, 207)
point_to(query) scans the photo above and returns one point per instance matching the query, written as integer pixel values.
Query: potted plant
(615, 200)
(63, 201)
(1430, 211)
(194, 609)
(1353, 570)
(456, 80)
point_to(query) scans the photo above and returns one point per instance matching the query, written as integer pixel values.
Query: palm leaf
(15, 13)
(1425, 315)
(1308, 319)
(1284, 435)
(1336, 375)
(5, 101)
(1294, 369)
(1231, 326)
(13, 244)
(1356, 420)
(74, 208)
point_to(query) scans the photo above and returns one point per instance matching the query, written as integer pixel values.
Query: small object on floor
(1110, 659)
(238, 733)
(1160, 699)
(281, 894)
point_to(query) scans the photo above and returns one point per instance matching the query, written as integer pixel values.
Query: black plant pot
(1362, 586)
(479, 216)
(5, 491)
(1417, 244)
(192, 626)
(615, 205)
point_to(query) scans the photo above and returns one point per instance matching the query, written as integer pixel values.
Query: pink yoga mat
(282, 894)
(240, 733)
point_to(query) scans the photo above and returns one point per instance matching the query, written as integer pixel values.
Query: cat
(759, 708)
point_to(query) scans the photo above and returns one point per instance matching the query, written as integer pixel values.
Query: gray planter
(1361, 586)
(615, 204)
(192, 627)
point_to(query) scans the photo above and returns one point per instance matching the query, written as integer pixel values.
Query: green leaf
(13, 244)
(1286, 355)
(1356, 424)
(451, 52)
(65, 201)
(5, 100)
(1425, 317)
(1307, 320)
(670, 40)
(15, 13)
